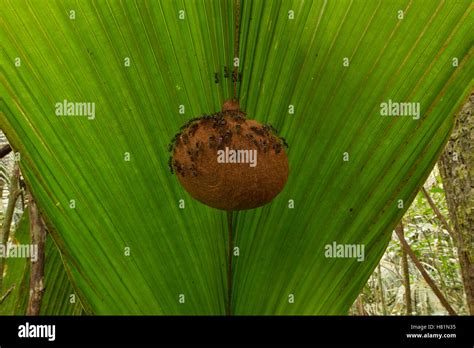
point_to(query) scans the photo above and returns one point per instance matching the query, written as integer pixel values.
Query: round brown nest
(255, 167)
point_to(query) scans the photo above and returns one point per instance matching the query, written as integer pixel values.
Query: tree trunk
(382, 295)
(457, 171)
(406, 274)
(38, 238)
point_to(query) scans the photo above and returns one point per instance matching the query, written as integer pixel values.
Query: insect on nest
(229, 162)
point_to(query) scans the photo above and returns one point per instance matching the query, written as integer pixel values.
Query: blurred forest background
(438, 278)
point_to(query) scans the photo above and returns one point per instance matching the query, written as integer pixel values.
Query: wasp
(220, 141)
(178, 167)
(193, 129)
(193, 170)
(212, 141)
(227, 137)
(270, 128)
(257, 130)
(222, 122)
(277, 148)
(185, 139)
(236, 77)
(177, 139)
(236, 116)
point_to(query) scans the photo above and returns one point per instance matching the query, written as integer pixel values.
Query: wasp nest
(229, 162)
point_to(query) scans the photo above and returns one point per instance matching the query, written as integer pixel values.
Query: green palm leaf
(59, 296)
(135, 204)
